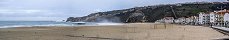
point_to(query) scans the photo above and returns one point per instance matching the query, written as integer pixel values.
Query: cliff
(149, 13)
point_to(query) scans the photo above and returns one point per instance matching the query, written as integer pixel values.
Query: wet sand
(131, 31)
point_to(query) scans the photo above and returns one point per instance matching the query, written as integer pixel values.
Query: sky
(52, 10)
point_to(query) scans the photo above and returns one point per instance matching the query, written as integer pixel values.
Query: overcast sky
(44, 10)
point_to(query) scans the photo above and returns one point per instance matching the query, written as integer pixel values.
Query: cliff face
(147, 13)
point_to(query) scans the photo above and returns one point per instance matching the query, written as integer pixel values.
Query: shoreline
(73, 25)
(132, 31)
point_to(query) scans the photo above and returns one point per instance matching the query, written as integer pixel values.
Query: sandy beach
(130, 31)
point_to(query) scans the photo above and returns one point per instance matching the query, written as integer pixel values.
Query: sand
(130, 31)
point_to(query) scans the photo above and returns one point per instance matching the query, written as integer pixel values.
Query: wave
(12, 26)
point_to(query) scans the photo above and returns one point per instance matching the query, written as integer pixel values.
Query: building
(166, 20)
(222, 17)
(226, 19)
(169, 19)
(194, 20)
(217, 18)
(188, 20)
(212, 17)
(180, 20)
(203, 18)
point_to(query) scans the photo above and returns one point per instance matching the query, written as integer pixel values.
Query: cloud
(7, 11)
(30, 13)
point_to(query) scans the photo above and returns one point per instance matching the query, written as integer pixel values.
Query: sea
(11, 24)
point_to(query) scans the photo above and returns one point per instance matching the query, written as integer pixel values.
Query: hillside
(149, 13)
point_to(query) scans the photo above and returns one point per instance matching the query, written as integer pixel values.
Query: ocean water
(9, 24)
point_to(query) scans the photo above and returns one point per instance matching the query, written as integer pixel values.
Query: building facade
(203, 18)
(217, 18)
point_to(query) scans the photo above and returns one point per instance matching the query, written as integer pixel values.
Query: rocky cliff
(149, 13)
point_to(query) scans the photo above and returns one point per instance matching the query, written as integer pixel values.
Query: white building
(169, 19)
(203, 18)
(196, 20)
(180, 20)
(226, 17)
(213, 17)
(216, 17)
(193, 20)
(188, 20)
(220, 18)
(166, 20)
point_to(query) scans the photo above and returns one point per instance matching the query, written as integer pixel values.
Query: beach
(128, 31)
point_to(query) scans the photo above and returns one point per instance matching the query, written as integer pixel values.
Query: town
(216, 18)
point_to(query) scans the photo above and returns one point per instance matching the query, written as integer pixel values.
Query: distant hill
(151, 13)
